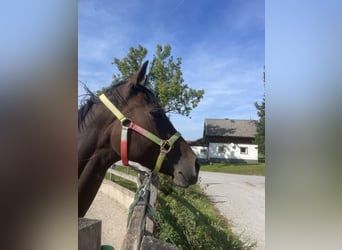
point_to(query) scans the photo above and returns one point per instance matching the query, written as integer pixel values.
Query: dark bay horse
(99, 134)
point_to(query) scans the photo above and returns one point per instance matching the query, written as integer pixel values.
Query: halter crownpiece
(126, 124)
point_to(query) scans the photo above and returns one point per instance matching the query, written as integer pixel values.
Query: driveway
(240, 199)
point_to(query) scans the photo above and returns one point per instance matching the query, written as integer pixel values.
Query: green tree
(260, 136)
(129, 64)
(165, 78)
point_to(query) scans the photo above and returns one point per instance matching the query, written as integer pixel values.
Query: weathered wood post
(135, 230)
(89, 234)
(153, 202)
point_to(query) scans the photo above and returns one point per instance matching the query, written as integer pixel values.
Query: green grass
(192, 222)
(244, 169)
(121, 181)
(127, 170)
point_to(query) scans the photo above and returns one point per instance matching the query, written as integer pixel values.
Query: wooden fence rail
(122, 175)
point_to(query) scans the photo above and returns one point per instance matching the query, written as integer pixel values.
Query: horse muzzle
(185, 176)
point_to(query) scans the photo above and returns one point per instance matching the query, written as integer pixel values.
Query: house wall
(200, 152)
(229, 139)
(231, 152)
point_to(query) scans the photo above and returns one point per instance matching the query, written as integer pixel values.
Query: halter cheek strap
(126, 124)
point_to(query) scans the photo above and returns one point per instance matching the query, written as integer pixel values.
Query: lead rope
(140, 193)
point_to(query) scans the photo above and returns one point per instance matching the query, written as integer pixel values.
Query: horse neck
(94, 140)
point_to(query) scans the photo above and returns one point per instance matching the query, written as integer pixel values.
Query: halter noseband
(126, 123)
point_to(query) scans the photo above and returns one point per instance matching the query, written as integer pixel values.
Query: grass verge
(188, 219)
(244, 169)
(121, 181)
(192, 221)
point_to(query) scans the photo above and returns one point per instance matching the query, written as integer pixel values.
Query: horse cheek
(115, 140)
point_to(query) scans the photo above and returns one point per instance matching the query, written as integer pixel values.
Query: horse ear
(139, 76)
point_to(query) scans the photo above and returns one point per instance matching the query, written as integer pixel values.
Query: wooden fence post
(135, 230)
(89, 234)
(141, 228)
(153, 202)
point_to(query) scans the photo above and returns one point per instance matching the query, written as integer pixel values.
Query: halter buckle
(165, 147)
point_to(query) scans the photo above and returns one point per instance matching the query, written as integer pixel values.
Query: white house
(231, 152)
(200, 152)
(230, 140)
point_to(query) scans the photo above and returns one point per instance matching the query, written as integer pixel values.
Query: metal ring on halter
(165, 147)
(126, 122)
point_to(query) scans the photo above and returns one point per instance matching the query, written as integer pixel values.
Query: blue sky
(221, 43)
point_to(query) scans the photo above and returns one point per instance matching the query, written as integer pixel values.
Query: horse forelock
(149, 94)
(121, 99)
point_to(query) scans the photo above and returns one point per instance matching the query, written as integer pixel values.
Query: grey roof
(230, 127)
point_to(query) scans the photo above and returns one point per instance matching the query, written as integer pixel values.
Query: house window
(203, 151)
(243, 150)
(221, 149)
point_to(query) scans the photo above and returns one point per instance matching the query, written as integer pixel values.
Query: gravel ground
(113, 216)
(241, 199)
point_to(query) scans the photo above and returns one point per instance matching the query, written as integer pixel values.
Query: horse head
(140, 107)
(129, 123)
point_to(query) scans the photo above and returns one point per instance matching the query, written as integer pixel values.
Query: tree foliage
(260, 136)
(129, 64)
(165, 78)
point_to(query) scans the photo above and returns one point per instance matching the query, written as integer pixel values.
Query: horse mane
(87, 102)
(113, 95)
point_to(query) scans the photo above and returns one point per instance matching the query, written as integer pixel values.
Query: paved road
(241, 199)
